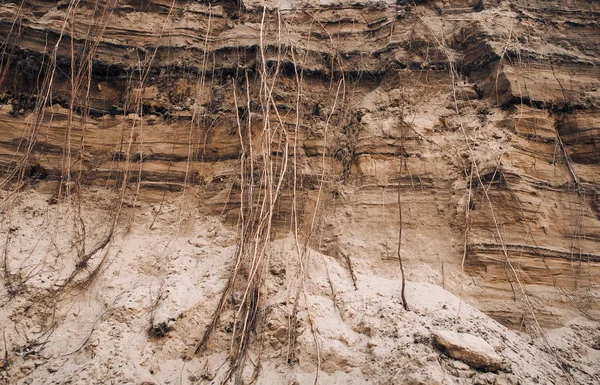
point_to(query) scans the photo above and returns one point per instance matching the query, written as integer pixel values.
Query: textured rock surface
(482, 118)
(470, 349)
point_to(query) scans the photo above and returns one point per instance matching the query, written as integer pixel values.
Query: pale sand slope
(96, 332)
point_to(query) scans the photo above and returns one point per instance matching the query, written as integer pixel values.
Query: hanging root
(403, 288)
(351, 269)
(256, 214)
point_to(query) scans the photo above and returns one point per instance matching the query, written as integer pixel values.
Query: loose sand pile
(134, 313)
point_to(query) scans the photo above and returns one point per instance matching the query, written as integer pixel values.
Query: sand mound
(139, 317)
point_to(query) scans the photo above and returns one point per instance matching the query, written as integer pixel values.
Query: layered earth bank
(195, 192)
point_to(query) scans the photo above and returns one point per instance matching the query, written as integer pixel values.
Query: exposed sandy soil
(95, 330)
(155, 147)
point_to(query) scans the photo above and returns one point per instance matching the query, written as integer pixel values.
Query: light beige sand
(174, 272)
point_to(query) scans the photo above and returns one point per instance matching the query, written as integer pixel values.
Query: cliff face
(471, 126)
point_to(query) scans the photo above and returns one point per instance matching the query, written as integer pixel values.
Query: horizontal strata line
(124, 68)
(568, 187)
(532, 250)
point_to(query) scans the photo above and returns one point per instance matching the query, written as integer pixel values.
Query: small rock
(470, 349)
(27, 367)
(38, 363)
